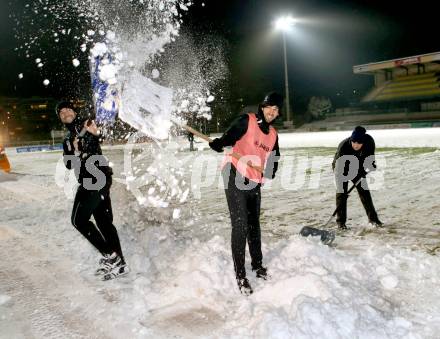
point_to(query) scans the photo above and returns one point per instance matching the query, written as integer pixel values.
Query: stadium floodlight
(284, 24)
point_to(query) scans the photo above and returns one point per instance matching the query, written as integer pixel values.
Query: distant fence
(359, 111)
(33, 142)
(39, 148)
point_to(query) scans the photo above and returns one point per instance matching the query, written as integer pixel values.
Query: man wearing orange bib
(255, 141)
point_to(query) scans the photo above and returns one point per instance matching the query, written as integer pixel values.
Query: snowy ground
(370, 284)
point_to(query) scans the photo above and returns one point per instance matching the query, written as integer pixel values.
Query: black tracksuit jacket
(104, 236)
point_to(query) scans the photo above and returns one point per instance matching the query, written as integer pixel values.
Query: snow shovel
(348, 193)
(327, 237)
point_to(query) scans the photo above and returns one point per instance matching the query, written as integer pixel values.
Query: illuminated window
(39, 106)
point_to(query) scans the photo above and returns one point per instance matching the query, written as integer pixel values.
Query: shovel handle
(196, 133)
(348, 192)
(208, 139)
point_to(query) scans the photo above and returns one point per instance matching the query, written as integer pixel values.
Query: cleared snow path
(36, 284)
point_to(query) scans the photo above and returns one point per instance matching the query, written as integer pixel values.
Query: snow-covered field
(369, 284)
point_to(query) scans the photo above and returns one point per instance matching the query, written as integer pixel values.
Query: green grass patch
(330, 151)
(408, 151)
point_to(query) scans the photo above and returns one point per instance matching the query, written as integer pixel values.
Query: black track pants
(244, 209)
(104, 236)
(364, 195)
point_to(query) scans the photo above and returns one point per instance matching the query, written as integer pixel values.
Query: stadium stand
(407, 88)
(406, 93)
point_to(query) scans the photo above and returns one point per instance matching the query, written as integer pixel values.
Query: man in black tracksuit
(354, 154)
(82, 153)
(244, 203)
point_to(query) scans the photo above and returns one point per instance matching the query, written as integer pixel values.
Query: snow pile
(4, 299)
(315, 291)
(322, 293)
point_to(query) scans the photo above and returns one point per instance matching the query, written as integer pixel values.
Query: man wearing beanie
(355, 153)
(82, 153)
(253, 137)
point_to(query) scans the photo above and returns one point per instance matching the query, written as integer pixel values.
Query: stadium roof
(396, 63)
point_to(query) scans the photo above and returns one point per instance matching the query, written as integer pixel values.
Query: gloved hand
(216, 145)
(371, 168)
(368, 169)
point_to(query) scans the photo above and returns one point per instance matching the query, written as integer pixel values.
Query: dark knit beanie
(63, 104)
(358, 134)
(273, 99)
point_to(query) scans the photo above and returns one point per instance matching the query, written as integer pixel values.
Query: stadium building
(406, 94)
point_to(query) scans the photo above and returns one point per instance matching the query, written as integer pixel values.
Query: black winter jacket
(88, 145)
(367, 150)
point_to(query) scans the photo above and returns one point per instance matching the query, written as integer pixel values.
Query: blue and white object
(105, 95)
(104, 85)
(133, 97)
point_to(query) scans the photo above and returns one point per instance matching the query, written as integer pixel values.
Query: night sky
(329, 39)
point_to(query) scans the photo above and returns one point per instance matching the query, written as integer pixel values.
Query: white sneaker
(108, 264)
(116, 272)
(376, 224)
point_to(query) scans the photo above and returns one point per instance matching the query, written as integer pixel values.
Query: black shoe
(107, 258)
(261, 272)
(244, 286)
(376, 223)
(342, 226)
